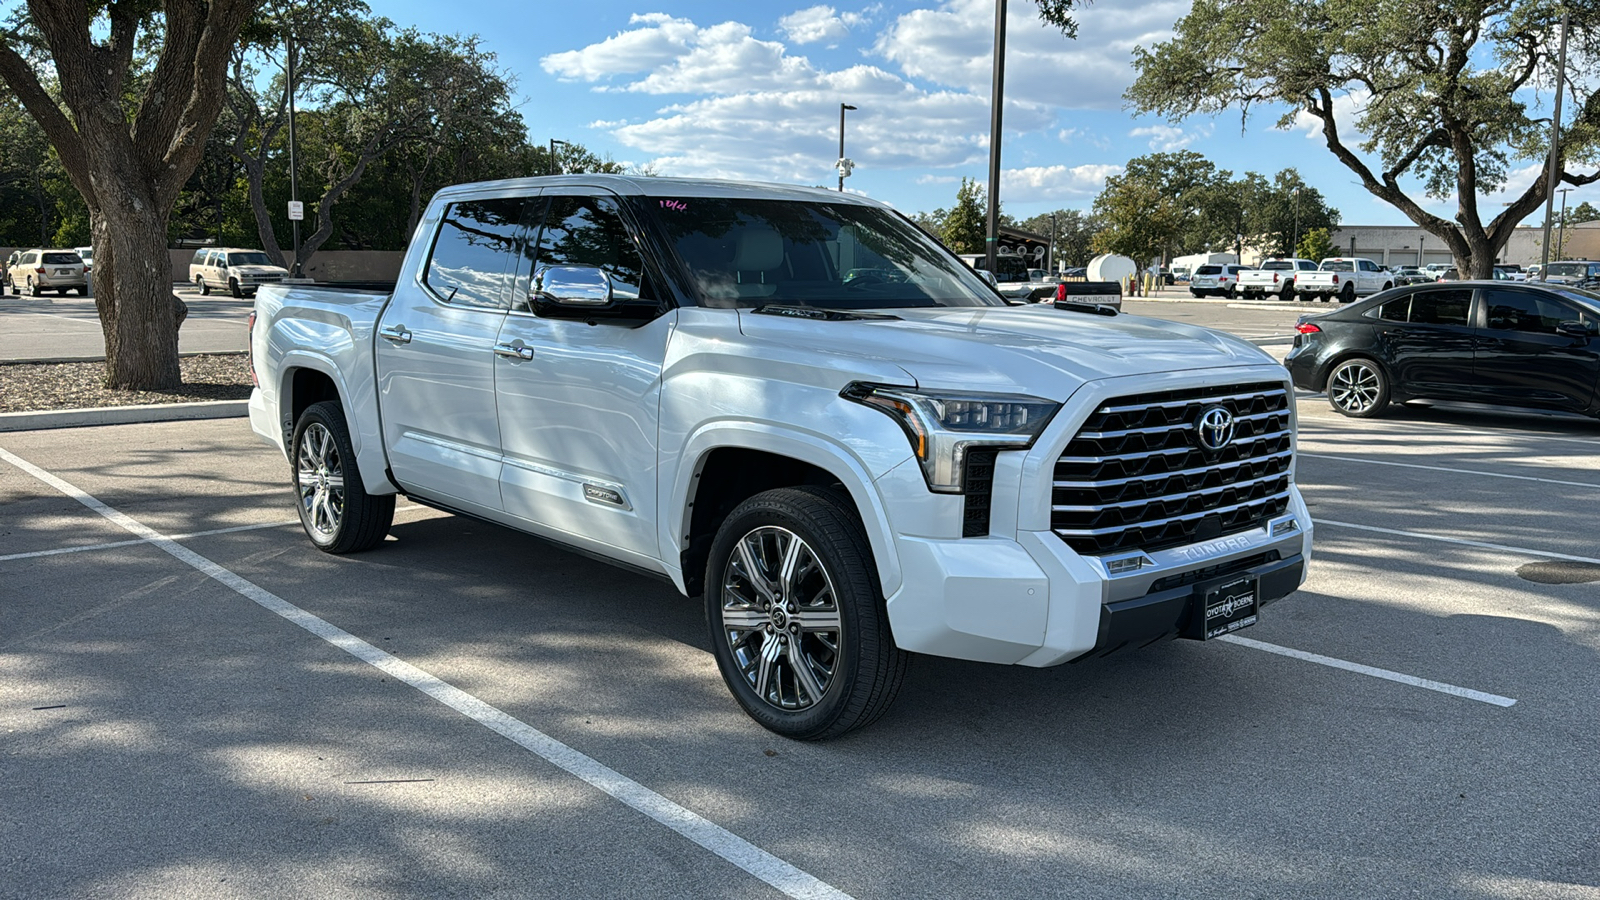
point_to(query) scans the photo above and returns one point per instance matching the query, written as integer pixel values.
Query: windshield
(1278, 265)
(1334, 265)
(61, 259)
(1208, 270)
(748, 252)
(256, 258)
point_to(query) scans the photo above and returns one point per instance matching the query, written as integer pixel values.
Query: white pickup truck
(1345, 277)
(1274, 277)
(793, 404)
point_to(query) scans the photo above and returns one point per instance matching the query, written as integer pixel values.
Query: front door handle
(513, 351)
(396, 333)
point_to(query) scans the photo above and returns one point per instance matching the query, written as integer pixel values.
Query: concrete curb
(123, 415)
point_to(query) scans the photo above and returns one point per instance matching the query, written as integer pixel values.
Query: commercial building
(1409, 245)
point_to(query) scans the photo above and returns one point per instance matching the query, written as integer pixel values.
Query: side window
(589, 232)
(1520, 311)
(199, 258)
(1395, 310)
(1441, 307)
(471, 260)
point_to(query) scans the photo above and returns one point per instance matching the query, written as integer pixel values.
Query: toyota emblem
(1215, 428)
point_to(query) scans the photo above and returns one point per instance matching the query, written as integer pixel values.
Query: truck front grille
(1136, 476)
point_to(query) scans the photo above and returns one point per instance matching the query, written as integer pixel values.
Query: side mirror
(1575, 330)
(581, 287)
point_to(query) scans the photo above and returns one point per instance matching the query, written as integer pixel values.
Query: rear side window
(199, 258)
(471, 262)
(1443, 307)
(1525, 312)
(1395, 310)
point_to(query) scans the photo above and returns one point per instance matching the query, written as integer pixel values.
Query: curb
(123, 415)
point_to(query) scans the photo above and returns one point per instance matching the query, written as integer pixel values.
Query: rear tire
(797, 618)
(1288, 292)
(1198, 294)
(82, 291)
(34, 290)
(205, 289)
(1348, 295)
(1358, 388)
(335, 509)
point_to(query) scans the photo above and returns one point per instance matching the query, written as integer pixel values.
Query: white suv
(240, 271)
(1216, 278)
(38, 271)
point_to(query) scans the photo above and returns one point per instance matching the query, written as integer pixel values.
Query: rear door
(1428, 338)
(579, 398)
(1521, 360)
(435, 357)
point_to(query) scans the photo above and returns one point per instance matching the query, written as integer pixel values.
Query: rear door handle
(516, 351)
(396, 333)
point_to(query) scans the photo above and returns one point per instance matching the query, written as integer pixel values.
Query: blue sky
(752, 90)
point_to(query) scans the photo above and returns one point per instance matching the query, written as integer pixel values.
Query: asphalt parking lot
(59, 328)
(195, 702)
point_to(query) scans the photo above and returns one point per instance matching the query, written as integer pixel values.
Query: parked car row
(38, 270)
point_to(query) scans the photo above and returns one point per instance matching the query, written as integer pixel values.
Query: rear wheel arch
(1345, 356)
(303, 386)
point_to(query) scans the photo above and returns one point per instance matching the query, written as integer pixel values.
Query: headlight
(943, 425)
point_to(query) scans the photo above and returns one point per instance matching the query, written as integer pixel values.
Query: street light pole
(1553, 176)
(1294, 250)
(1050, 252)
(294, 177)
(992, 233)
(842, 108)
(555, 164)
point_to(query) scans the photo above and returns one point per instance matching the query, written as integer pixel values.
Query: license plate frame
(1227, 605)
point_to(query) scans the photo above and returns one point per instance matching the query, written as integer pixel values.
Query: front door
(1521, 360)
(435, 358)
(578, 399)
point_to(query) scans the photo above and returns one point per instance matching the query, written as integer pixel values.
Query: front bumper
(1020, 595)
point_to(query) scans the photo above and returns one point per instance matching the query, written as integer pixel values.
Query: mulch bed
(32, 387)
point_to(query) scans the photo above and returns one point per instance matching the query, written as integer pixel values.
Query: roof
(652, 186)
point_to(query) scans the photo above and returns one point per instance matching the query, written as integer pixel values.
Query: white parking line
(1464, 541)
(1444, 426)
(1358, 668)
(787, 878)
(1383, 462)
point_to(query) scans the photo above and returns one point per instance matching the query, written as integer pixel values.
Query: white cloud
(819, 23)
(953, 45)
(759, 112)
(1057, 182)
(1165, 138)
(1346, 109)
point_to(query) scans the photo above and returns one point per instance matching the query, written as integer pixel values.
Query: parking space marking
(1441, 687)
(176, 537)
(115, 544)
(787, 878)
(1454, 471)
(1464, 541)
(1439, 426)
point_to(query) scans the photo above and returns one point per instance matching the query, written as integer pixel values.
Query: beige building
(1409, 245)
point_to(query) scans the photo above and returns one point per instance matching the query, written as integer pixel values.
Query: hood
(259, 270)
(1037, 350)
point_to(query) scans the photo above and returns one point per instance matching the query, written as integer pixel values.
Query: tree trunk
(139, 313)
(254, 176)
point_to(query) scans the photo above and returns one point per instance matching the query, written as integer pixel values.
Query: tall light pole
(991, 242)
(1553, 176)
(1050, 253)
(555, 164)
(1561, 240)
(844, 164)
(294, 177)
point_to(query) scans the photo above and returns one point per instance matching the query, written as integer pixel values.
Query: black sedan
(1507, 343)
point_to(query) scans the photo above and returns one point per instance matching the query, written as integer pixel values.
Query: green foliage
(1315, 244)
(1276, 213)
(1441, 93)
(1059, 14)
(1164, 203)
(1583, 212)
(964, 228)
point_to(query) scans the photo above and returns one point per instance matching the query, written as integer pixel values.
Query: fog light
(1284, 527)
(1124, 565)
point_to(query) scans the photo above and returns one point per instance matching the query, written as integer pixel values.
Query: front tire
(335, 509)
(797, 618)
(233, 288)
(1358, 388)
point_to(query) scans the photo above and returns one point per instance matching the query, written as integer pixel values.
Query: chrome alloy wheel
(780, 618)
(319, 478)
(1355, 387)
